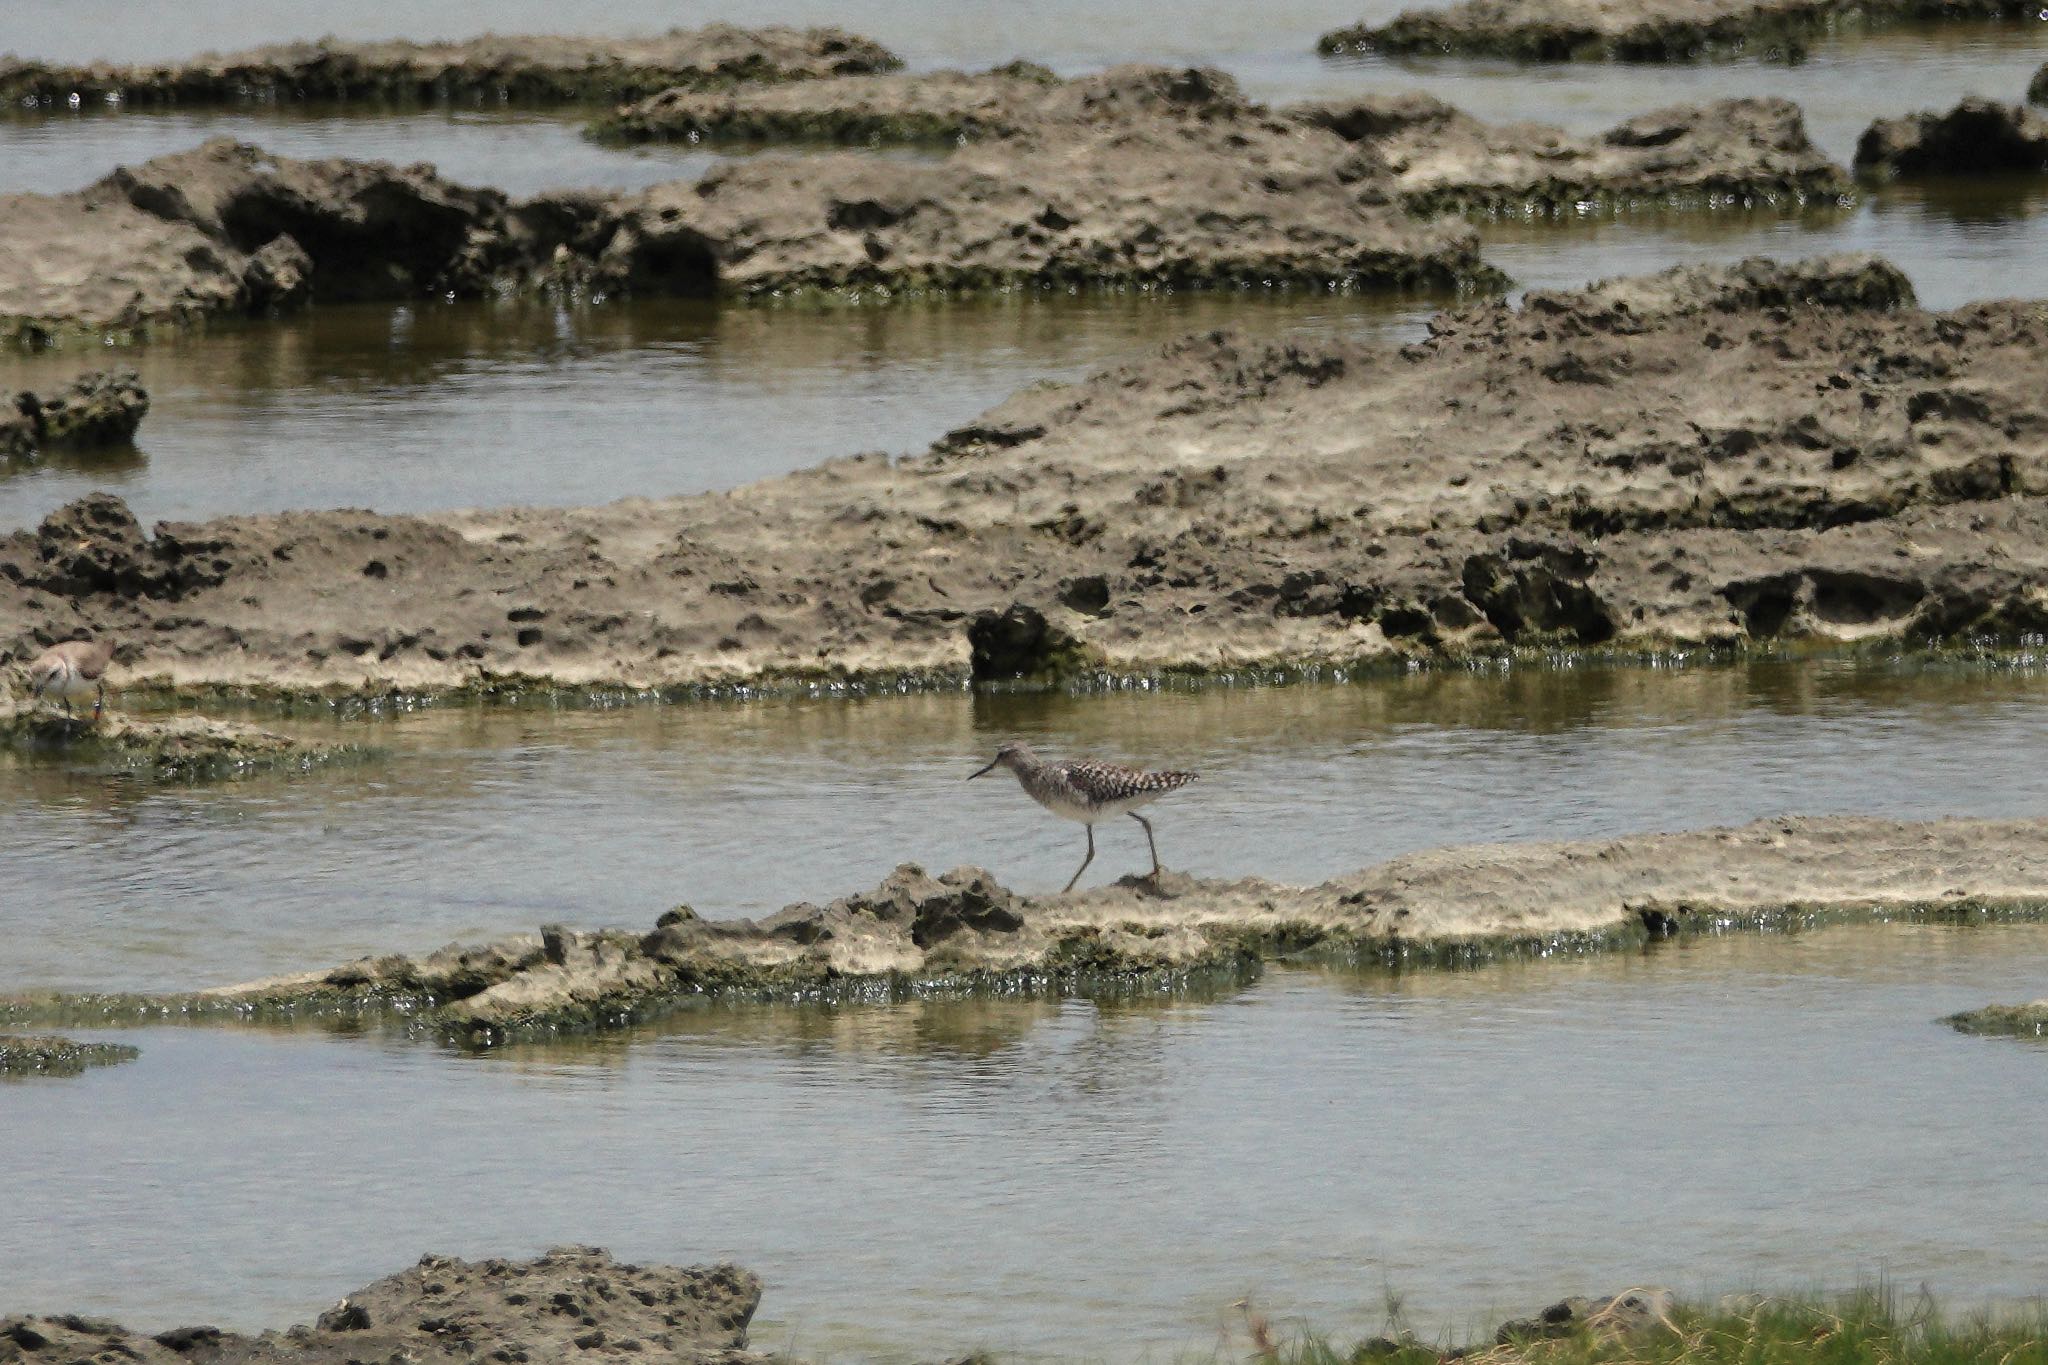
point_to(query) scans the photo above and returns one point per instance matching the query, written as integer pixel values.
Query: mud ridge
(228, 230)
(1645, 30)
(1761, 455)
(494, 69)
(964, 932)
(573, 1303)
(1411, 149)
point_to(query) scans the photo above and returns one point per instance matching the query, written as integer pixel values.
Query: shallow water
(431, 407)
(1073, 1180)
(483, 822)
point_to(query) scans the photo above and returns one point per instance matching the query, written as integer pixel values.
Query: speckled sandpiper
(75, 668)
(1076, 789)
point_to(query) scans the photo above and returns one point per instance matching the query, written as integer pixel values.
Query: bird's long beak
(991, 764)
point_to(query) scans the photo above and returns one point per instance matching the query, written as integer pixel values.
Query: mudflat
(494, 68)
(964, 931)
(1645, 30)
(1716, 456)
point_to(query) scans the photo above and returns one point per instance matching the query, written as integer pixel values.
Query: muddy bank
(1977, 137)
(965, 931)
(1644, 30)
(1722, 457)
(572, 1303)
(494, 69)
(47, 1055)
(2019, 1021)
(227, 230)
(99, 408)
(1411, 149)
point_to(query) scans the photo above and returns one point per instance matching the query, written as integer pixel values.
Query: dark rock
(1019, 644)
(1614, 1318)
(1977, 137)
(99, 408)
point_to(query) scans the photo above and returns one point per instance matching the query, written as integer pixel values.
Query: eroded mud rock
(2019, 1021)
(47, 1055)
(230, 229)
(1642, 30)
(1435, 158)
(99, 408)
(936, 106)
(524, 69)
(574, 1303)
(1710, 456)
(1977, 137)
(965, 931)
(1410, 148)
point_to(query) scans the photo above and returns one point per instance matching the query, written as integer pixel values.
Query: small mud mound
(1977, 137)
(574, 1303)
(49, 1055)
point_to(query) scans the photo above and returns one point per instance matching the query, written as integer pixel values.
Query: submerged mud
(1644, 30)
(522, 69)
(167, 749)
(1726, 456)
(966, 932)
(47, 1055)
(573, 1303)
(2018, 1021)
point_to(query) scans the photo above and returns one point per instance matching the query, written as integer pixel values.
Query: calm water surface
(485, 822)
(1100, 1182)
(428, 408)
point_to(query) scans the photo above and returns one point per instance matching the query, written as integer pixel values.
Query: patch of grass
(1873, 1326)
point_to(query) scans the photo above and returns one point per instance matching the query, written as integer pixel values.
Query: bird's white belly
(1089, 815)
(69, 685)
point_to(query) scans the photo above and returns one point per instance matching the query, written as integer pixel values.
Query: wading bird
(1076, 789)
(76, 668)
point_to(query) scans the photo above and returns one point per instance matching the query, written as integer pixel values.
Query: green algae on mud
(964, 934)
(2017, 1021)
(1654, 32)
(172, 749)
(48, 1055)
(1648, 1326)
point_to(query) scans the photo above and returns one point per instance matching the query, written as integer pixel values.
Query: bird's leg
(1148, 842)
(99, 704)
(1084, 862)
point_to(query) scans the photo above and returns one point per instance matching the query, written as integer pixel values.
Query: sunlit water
(1100, 1182)
(485, 822)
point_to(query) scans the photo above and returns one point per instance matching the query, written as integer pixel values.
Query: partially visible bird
(75, 668)
(1077, 789)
